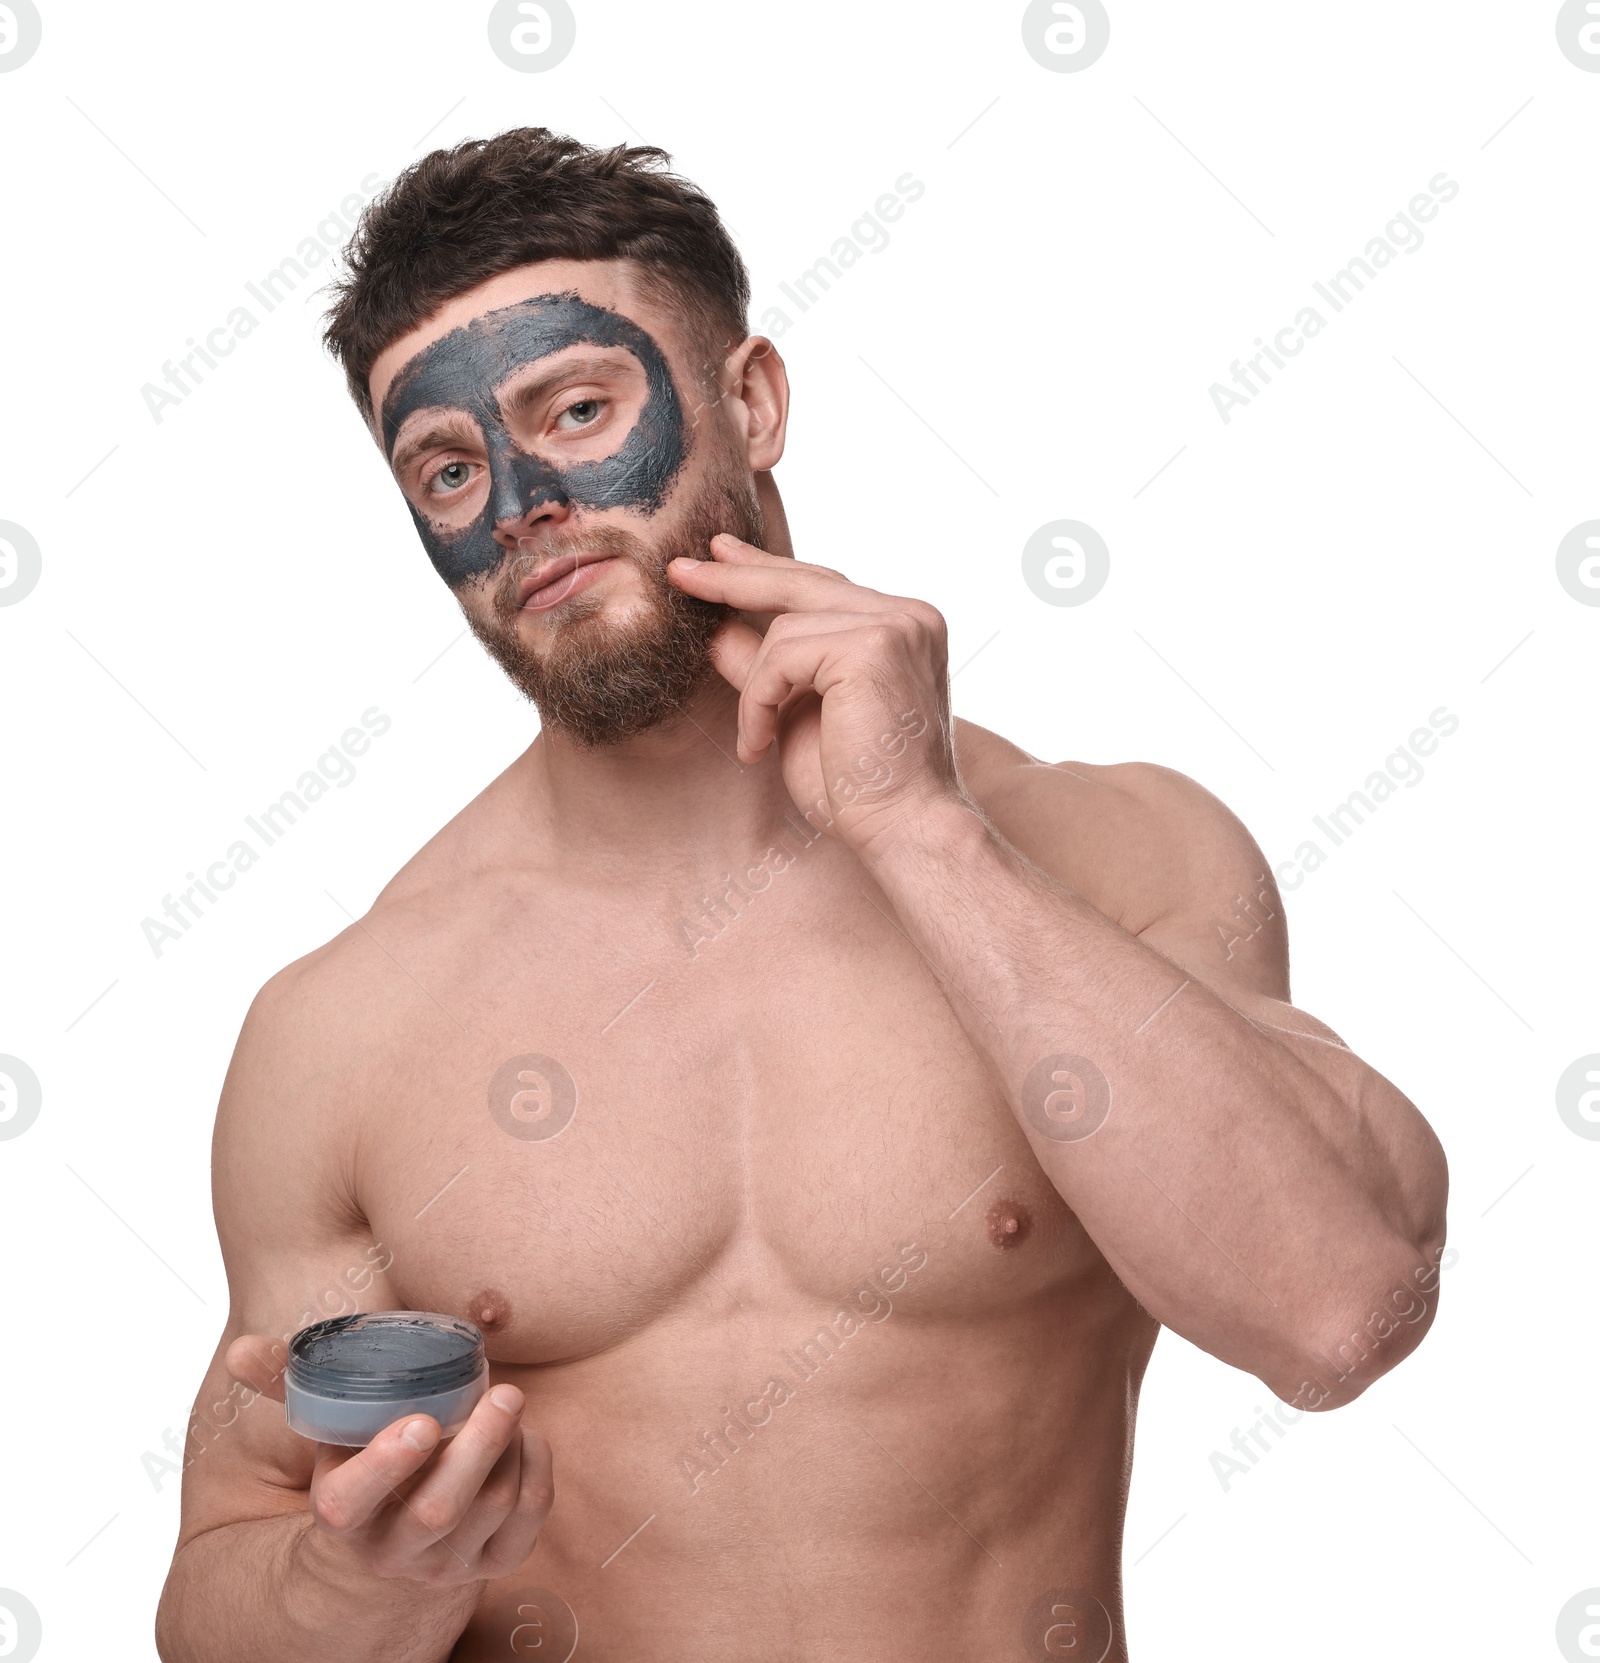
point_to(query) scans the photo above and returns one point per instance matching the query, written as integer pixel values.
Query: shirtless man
(818, 1102)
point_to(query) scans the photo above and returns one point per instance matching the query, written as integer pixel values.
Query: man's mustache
(533, 553)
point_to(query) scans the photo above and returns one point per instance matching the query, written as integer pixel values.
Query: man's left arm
(1255, 1185)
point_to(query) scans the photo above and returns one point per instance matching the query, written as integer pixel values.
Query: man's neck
(673, 792)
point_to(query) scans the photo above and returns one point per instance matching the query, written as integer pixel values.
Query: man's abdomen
(786, 1485)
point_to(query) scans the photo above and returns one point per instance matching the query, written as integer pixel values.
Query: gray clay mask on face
(463, 371)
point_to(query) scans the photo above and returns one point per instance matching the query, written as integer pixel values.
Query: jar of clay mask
(350, 1377)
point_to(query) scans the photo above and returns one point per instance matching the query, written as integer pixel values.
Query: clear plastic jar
(350, 1377)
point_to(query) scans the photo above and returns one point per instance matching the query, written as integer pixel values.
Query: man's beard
(602, 682)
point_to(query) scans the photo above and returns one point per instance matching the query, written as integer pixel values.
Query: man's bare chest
(588, 1149)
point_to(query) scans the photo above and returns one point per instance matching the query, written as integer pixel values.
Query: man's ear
(757, 392)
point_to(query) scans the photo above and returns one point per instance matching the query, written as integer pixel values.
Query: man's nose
(549, 515)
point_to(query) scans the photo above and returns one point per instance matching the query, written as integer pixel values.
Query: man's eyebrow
(590, 368)
(440, 433)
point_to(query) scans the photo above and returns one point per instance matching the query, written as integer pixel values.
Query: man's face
(540, 428)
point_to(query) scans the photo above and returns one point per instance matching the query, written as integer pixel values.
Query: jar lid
(377, 1355)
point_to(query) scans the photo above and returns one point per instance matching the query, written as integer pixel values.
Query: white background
(225, 591)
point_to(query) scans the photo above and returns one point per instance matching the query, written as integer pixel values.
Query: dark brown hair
(461, 216)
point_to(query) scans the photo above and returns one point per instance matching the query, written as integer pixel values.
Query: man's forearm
(273, 1591)
(1215, 1168)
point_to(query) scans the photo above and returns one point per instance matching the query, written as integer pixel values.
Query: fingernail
(685, 560)
(420, 1434)
(507, 1398)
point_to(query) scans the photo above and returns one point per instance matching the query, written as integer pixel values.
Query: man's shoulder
(304, 1015)
(993, 764)
(1138, 840)
(321, 1030)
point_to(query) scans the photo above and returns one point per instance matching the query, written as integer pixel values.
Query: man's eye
(582, 414)
(451, 477)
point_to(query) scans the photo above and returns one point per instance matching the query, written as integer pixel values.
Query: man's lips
(553, 583)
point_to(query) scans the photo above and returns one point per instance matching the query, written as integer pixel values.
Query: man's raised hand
(850, 684)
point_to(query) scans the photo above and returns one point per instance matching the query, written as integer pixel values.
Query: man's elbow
(1341, 1357)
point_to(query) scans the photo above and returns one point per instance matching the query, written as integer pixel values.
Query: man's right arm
(290, 1549)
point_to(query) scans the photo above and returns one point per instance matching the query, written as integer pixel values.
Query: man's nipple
(490, 1309)
(1008, 1224)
